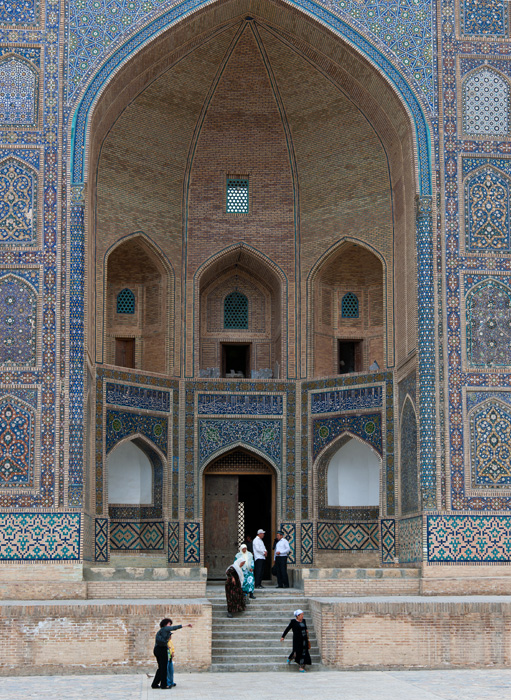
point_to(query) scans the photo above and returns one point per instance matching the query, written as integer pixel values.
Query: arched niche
(409, 460)
(130, 475)
(246, 339)
(137, 329)
(349, 306)
(353, 476)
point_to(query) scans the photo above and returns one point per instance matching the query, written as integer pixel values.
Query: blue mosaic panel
(348, 536)
(121, 424)
(469, 538)
(366, 426)
(289, 532)
(40, 536)
(349, 399)
(16, 444)
(474, 398)
(18, 202)
(25, 12)
(138, 397)
(489, 325)
(410, 500)
(136, 536)
(485, 17)
(101, 540)
(264, 435)
(490, 445)
(239, 404)
(18, 321)
(487, 211)
(192, 543)
(410, 540)
(388, 541)
(307, 543)
(173, 543)
(19, 93)
(485, 103)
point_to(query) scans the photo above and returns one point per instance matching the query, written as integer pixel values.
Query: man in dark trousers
(282, 549)
(161, 651)
(259, 557)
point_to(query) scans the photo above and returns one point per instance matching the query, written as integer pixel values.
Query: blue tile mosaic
(137, 397)
(239, 404)
(307, 544)
(17, 441)
(485, 17)
(289, 532)
(349, 399)
(101, 539)
(121, 424)
(366, 426)
(136, 536)
(19, 12)
(18, 202)
(348, 536)
(487, 211)
(409, 476)
(173, 543)
(388, 541)
(468, 539)
(490, 440)
(19, 87)
(41, 537)
(489, 324)
(18, 320)
(410, 540)
(263, 435)
(192, 543)
(486, 96)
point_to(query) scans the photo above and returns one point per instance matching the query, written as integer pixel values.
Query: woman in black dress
(300, 651)
(233, 588)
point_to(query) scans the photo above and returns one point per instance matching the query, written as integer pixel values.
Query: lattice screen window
(237, 196)
(126, 302)
(235, 310)
(241, 522)
(349, 306)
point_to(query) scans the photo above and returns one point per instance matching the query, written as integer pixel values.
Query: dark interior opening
(350, 356)
(255, 492)
(235, 359)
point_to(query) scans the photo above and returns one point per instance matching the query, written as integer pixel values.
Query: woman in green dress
(248, 570)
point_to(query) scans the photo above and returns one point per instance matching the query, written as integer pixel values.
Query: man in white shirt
(259, 557)
(282, 549)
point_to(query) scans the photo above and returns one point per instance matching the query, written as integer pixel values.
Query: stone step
(249, 633)
(245, 667)
(241, 647)
(267, 659)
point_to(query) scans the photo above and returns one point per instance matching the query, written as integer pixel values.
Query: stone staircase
(250, 641)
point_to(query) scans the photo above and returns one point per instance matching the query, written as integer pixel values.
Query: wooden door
(125, 352)
(220, 523)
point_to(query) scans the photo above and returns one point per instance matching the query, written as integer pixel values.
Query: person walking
(234, 588)
(260, 554)
(301, 642)
(161, 652)
(282, 549)
(248, 571)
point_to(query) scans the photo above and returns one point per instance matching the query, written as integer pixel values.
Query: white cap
(297, 612)
(261, 532)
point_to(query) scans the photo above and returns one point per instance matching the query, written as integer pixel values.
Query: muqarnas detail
(489, 325)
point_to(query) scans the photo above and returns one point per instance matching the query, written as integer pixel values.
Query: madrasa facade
(255, 273)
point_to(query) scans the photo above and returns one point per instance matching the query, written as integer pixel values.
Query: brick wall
(96, 635)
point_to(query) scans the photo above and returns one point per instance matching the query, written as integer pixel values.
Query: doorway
(235, 360)
(239, 498)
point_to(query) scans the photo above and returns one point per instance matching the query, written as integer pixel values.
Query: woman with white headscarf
(248, 570)
(301, 642)
(233, 588)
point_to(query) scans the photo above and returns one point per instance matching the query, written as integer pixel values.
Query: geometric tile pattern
(18, 321)
(489, 325)
(19, 88)
(18, 202)
(365, 426)
(410, 540)
(173, 543)
(490, 445)
(101, 540)
(351, 536)
(16, 443)
(351, 399)
(40, 536)
(307, 544)
(289, 532)
(264, 435)
(485, 18)
(487, 210)
(136, 536)
(192, 543)
(239, 404)
(485, 103)
(469, 539)
(121, 424)
(388, 541)
(409, 467)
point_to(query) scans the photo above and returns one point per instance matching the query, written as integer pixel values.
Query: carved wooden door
(220, 523)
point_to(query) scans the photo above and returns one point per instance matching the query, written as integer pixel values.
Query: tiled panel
(40, 536)
(469, 539)
(289, 531)
(388, 541)
(101, 539)
(173, 543)
(350, 536)
(134, 536)
(192, 543)
(307, 544)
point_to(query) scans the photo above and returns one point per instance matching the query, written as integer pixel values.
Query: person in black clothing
(300, 651)
(161, 652)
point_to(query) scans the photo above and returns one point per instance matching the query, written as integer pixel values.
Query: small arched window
(235, 310)
(126, 302)
(349, 306)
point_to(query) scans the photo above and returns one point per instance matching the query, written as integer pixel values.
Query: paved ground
(330, 685)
